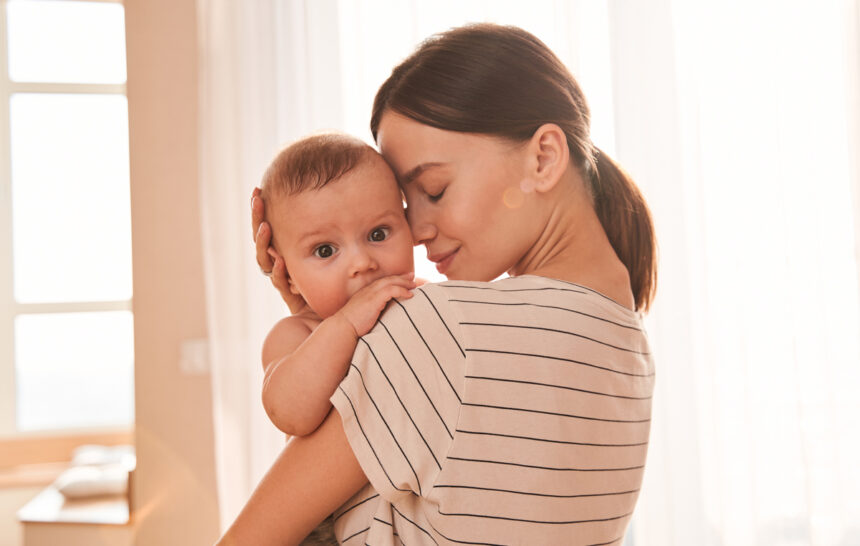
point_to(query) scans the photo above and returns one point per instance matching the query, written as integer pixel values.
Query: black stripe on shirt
(544, 329)
(516, 289)
(551, 307)
(423, 530)
(572, 416)
(487, 516)
(409, 365)
(514, 353)
(596, 293)
(538, 494)
(557, 387)
(391, 432)
(549, 440)
(457, 343)
(355, 534)
(359, 503)
(417, 331)
(370, 445)
(418, 430)
(508, 463)
(449, 539)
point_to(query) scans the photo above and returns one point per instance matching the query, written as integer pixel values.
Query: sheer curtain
(737, 118)
(734, 117)
(260, 85)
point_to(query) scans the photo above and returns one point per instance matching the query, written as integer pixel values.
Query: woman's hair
(313, 162)
(503, 81)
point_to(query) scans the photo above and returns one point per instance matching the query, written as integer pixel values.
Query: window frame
(55, 440)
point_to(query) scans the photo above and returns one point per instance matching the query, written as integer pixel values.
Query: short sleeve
(401, 397)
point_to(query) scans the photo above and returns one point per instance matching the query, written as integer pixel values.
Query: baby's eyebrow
(316, 234)
(418, 171)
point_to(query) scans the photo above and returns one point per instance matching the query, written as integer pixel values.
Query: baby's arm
(304, 367)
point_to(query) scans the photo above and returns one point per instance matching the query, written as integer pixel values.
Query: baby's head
(337, 218)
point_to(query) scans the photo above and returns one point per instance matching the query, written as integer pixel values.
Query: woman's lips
(443, 261)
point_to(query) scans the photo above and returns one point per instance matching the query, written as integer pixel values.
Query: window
(66, 347)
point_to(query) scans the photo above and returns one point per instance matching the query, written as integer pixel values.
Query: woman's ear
(548, 157)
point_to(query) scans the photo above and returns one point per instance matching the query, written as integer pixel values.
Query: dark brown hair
(313, 162)
(503, 81)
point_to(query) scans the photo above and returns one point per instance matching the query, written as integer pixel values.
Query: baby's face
(338, 239)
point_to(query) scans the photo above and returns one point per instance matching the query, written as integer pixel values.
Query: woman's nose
(423, 229)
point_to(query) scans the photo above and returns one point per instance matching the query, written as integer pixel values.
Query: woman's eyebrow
(418, 171)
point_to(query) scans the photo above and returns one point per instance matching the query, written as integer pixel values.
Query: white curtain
(735, 117)
(260, 86)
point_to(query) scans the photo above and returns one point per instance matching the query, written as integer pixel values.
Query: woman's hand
(271, 264)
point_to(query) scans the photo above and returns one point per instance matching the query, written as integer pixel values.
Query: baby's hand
(363, 308)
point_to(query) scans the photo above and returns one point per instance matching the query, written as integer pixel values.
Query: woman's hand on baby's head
(364, 307)
(261, 232)
(270, 263)
(280, 280)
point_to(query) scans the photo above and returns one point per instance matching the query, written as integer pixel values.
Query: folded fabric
(97, 455)
(92, 481)
(97, 471)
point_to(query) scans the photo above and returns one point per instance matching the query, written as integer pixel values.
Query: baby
(339, 226)
(338, 223)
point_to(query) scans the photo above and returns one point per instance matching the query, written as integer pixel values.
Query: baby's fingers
(393, 291)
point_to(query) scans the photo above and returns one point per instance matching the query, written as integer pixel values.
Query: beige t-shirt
(511, 412)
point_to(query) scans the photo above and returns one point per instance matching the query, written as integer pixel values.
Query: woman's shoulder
(538, 294)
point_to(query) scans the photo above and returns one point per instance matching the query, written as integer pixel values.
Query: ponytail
(625, 217)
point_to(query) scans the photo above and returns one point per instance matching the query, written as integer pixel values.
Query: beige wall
(174, 495)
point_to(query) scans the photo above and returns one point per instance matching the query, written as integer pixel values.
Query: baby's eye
(324, 251)
(379, 234)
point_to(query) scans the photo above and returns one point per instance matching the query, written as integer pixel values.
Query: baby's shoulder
(286, 334)
(295, 324)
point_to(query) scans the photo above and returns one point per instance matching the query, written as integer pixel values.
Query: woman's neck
(573, 246)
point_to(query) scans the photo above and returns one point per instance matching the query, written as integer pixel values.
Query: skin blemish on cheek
(513, 197)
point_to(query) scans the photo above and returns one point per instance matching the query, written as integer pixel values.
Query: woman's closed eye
(324, 251)
(435, 197)
(379, 234)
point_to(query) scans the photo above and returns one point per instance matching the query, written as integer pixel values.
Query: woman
(481, 411)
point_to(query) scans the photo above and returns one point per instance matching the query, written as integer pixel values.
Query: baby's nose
(362, 262)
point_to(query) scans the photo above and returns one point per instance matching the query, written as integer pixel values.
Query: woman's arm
(311, 478)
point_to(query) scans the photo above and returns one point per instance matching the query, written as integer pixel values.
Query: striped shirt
(511, 412)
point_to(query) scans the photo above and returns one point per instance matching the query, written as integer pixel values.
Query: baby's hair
(313, 162)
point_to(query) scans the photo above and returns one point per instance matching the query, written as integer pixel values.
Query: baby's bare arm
(302, 369)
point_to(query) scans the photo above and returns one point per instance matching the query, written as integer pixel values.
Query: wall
(174, 499)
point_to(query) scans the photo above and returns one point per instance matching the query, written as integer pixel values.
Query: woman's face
(463, 195)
